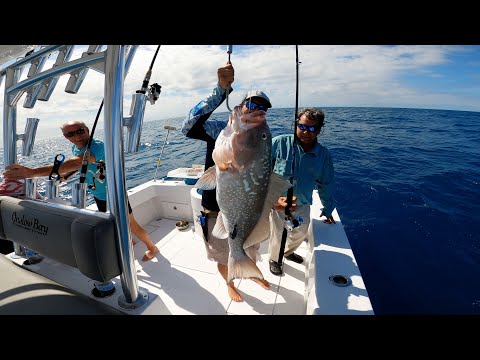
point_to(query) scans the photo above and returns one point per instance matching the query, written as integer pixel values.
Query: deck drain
(182, 224)
(339, 280)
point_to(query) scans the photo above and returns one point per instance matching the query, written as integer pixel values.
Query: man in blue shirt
(78, 134)
(313, 170)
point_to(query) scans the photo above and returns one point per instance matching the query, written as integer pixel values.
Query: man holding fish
(239, 188)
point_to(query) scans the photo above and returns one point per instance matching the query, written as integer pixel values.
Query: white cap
(257, 93)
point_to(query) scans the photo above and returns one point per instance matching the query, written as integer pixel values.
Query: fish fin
(208, 181)
(253, 252)
(276, 187)
(261, 231)
(219, 230)
(241, 269)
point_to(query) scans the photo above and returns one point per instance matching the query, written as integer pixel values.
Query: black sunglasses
(310, 128)
(252, 106)
(73, 133)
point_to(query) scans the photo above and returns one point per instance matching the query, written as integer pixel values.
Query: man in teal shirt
(78, 134)
(313, 170)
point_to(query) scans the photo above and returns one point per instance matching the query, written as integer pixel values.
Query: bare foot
(262, 282)
(233, 293)
(150, 254)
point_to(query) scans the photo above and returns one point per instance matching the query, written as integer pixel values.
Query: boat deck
(181, 280)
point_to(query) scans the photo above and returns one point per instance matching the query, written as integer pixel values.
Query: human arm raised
(195, 124)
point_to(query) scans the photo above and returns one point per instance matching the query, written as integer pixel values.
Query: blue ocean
(408, 196)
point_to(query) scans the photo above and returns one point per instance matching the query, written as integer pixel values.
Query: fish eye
(264, 136)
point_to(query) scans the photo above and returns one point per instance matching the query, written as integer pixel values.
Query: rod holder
(134, 122)
(79, 195)
(31, 188)
(77, 77)
(47, 87)
(32, 96)
(36, 67)
(51, 188)
(28, 137)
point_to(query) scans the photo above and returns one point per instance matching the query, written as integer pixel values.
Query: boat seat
(23, 292)
(81, 238)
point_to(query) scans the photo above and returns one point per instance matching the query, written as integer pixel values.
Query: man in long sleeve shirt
(313, 170)
(196, 126)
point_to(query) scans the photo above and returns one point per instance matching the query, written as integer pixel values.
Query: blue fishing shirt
(313, 170)
(201, 112)
(196, 126)
(97, 149)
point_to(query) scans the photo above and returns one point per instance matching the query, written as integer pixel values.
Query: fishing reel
(293, 223)
(98, 175)
(154, 92)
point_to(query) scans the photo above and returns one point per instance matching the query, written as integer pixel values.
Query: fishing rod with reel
(133, 124)
(290, 221)
(155, 89)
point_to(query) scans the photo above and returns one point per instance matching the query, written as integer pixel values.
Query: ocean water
(408, 196)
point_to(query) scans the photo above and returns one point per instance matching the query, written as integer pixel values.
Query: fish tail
(243, 268)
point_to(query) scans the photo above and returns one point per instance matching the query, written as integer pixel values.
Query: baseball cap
(257, 93)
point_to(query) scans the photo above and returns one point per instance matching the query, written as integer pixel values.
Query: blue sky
(412, 76)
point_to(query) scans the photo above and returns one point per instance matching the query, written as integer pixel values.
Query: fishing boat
(75, 246)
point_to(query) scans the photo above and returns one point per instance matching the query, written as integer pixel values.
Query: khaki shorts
(217, 249)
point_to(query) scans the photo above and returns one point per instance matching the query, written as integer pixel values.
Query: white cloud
(328, 76)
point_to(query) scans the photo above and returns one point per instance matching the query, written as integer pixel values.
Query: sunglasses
(73, 133)
(252, 106)
(310, 128)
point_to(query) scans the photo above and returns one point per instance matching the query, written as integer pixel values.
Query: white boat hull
(181, 280)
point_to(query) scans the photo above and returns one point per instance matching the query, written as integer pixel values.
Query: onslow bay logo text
(29, 224)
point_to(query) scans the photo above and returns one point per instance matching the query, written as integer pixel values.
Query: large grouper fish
(246, 188)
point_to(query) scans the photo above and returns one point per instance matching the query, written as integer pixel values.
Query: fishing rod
(144, 88)
(167, 127)
(83, 173)
(291, 222)
(229, 51)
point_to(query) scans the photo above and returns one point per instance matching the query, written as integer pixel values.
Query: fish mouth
(251, 120)
(250, 125)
